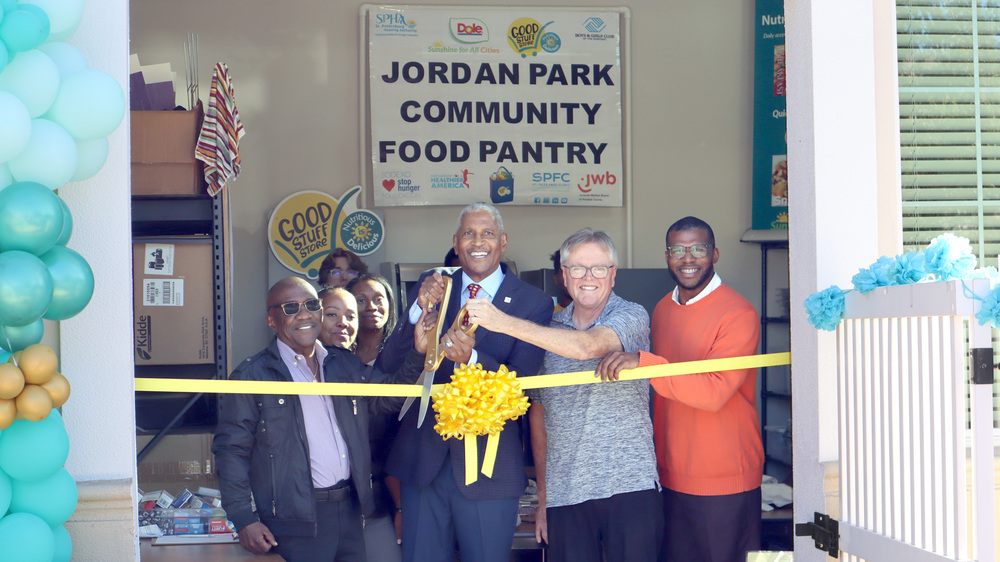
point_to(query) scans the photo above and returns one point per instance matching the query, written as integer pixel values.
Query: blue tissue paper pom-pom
(909, 268)
(949, 257)
(826, 308)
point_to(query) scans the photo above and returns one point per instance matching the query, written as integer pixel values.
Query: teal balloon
(25, 289)
(67, 228)
(4, 356)
(52, 498)
(31, 218)
(64, 16)
(68, 59)
(15, 126)
(50, 158)
(40, 14)
(16, 339)
(34, 79)
(4, 56)
(8, 5)
(90, 105)
(72, 283)
(31, 451)
(64, 544)
(23, 30)
(26, 538)
(5, 493)
(91, 156)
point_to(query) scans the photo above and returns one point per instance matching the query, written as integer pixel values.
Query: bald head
(299, 327)
(280, 290)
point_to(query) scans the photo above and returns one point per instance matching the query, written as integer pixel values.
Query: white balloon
(50, 157)
(68, 58)
(90, 105)
(5, 177)
(64, 16)
(15, 126)
(92, 155)
(34, 79)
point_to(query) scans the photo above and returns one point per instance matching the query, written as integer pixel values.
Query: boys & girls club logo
(305, 226)
(469, 30)
(526, 36)
(594, 25)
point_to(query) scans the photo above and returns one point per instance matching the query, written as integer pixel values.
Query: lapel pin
(506, 300)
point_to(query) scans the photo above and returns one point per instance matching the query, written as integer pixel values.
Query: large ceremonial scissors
(435, 354)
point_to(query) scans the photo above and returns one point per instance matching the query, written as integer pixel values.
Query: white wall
(96, 345)
(295, 69)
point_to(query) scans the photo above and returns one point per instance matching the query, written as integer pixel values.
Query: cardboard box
(152, 500)
(173, 301)
(163, 144)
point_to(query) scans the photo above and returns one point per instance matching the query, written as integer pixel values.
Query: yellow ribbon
(367, 389)
(478, 402)
(471, 445)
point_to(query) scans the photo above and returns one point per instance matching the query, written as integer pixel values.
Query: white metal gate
(903, 373)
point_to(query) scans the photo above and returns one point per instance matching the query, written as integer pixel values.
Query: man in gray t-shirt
(598, 489)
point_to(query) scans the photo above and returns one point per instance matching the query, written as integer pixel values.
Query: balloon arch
(55, 116)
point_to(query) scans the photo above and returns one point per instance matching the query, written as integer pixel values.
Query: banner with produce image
(770, 143)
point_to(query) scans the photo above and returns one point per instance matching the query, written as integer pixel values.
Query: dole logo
(469, 29)
(388, 184)
(607, 178)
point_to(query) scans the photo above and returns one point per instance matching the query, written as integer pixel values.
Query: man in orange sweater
(705, 428)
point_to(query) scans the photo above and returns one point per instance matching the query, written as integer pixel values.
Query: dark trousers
(339, 535)
(435, 516)
(710, 528)
(628, 526)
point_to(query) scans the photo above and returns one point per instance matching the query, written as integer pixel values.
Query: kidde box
(163, 144)
(173, 298)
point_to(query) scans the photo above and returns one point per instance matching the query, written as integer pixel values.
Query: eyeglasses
(579, 271)
(349, 273)
(293, 308)
(697, 251)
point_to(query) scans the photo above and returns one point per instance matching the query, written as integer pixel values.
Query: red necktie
(473, 291)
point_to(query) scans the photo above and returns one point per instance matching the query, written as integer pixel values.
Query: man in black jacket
(303, 461)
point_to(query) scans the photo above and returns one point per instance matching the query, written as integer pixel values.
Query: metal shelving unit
(775, 389)
(189, 215)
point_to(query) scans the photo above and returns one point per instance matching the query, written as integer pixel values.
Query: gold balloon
(34, 403)
(15, 358)
(7, 412)
(38, 363)
(58, 389)
(11, 381)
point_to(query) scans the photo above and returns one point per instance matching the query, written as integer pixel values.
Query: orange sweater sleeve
(738, 335)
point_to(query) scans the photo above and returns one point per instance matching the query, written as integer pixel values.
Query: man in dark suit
(438, 508)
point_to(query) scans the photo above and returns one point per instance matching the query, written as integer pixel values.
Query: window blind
(949, 120)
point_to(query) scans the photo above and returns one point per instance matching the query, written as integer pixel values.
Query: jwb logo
(607, 178)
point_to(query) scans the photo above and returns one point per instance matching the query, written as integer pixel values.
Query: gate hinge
(824, 530)
(982, 365)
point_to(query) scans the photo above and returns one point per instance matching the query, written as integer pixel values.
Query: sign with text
(305, 226)
(770, 143)
(517, 106)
